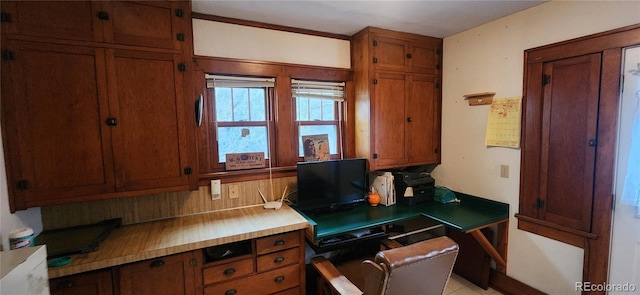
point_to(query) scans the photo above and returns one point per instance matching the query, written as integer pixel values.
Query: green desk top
(470, 213)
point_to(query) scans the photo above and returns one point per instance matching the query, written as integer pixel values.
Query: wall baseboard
(510, 286)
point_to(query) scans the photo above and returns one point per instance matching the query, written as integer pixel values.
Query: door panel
(61, 144)
(570, 113)
(146, 92)
(390, 54)
(422, 130)
(389, 119)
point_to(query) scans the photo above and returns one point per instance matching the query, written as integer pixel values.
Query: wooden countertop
(131, 243)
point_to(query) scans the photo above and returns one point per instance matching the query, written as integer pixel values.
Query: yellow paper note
(503, 126)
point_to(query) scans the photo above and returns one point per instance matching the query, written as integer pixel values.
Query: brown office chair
(420, 268)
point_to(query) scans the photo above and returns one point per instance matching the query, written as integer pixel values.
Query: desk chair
(420, 268)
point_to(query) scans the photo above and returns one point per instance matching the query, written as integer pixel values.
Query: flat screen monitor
(331, 185)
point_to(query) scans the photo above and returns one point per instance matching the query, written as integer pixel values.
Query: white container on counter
(20, 238)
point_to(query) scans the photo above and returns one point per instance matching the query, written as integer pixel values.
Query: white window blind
(322, 90)
(231, 81)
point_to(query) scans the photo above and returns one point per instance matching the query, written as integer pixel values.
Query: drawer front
(293, 291)
(278, 259)
(227, 271)
(265, 283)
(277, 242)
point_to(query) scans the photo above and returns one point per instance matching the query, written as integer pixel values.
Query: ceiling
(425, 17)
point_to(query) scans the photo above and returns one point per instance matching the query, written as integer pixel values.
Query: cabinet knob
(593, 142)
(230, 292)
(65, 285)
(408, 55)
(279, 243)
(278, 260)
(102, 15)
(229, 271)
(112, 122)
(409, 119)
(279, 279)
(157, 263)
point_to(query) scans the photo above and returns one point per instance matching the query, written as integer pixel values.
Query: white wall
(243, 42)
(490, 58)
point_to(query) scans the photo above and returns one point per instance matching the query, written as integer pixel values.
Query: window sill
(247, 175)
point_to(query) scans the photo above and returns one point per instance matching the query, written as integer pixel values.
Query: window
(318, 107)
(241, 108)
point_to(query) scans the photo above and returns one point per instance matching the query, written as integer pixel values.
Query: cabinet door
(69, 20)
(390, 54)
(388, 120)
(423, 120)
(424, 58)
(144, 23)
(167, 275)
(146, 99)
(569, 126)
(93, 283)
(54, 105)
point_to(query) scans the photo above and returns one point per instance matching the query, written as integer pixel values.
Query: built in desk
(470, 215)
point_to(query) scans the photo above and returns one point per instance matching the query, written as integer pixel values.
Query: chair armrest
(334, 278)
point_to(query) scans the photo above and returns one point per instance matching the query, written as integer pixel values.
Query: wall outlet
(233, 191)
(504, 171)
(215, 189)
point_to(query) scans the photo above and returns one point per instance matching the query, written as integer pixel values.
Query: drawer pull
(229, 271)
(279, 243)
(279, 279)
(65, 285)
(230, 292)
(157, 263)
(278, 260)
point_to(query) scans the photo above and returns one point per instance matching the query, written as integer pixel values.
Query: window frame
(283, 130)
(337, 122)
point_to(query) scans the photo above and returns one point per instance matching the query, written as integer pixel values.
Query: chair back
(420, 268)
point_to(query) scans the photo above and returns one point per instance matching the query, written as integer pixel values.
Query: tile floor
(460, 286)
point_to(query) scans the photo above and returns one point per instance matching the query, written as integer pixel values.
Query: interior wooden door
(54, 104)
(569, 140)
(146, 99)
(423, 132)
(389, 120)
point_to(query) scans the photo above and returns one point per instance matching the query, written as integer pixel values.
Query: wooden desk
(470, 215)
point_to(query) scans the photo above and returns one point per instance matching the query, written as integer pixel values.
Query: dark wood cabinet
(158, 24)
(398, 98)
(91, 283)
(173, 274)
(94, 119)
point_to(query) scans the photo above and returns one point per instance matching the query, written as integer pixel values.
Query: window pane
(257, 104)
(328, 110)
(223, 104)
(315, 109)
(302, 109)
(240, 104)
(242, 140)
(331, 130)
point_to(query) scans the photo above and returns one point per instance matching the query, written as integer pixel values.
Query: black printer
(413, 187)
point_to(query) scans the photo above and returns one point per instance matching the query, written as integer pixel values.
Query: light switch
(504, 171)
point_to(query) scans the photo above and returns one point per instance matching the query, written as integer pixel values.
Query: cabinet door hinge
(375, 81)
(375, 42)
(179, 12)
(438, 51)
(5, 17)
(182, 67)
(8, 55)
(546, 79)
(437, 66)
(112, 122)
(375, 60)
(539, 203)
(103, 15)
(437, 85)
(22, 184)
(180, 36)
(375, 156)
(188, 171)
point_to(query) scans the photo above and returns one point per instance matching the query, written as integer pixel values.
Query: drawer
(277, 242)
(294, 291)
(270, 282)
(227, 271)
(278, 259)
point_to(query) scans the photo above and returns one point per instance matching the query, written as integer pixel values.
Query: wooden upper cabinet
(146, 23)
(392, 52)
(54, 103)
(67, 20)
(398, 98)
(145, 93)
(158, 24)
